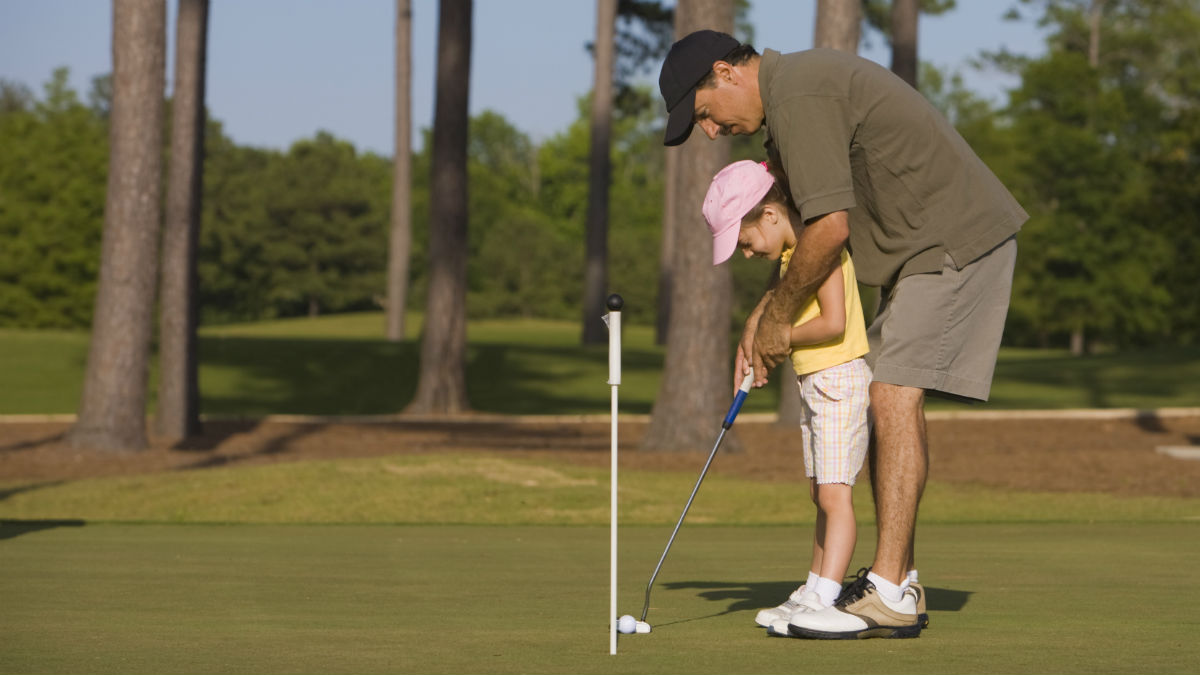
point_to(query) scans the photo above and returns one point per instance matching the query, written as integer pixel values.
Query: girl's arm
(831, 323)
(741, 362)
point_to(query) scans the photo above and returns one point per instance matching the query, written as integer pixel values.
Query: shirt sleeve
(812, 135)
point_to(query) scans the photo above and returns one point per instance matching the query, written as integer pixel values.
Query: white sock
(811, 584)
(828, 589)
(890, 592)
(912, 577)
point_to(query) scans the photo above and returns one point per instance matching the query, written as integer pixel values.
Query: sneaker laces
(855, 590)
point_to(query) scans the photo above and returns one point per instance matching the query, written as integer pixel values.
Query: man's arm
(741, 364)
(818, 253)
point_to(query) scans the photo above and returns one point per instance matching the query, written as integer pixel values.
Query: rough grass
(487, 490)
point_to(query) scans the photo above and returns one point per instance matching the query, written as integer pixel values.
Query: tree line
(1100, 141)
(1103, 156)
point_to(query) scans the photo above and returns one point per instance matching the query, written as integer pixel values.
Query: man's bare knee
(893, 399)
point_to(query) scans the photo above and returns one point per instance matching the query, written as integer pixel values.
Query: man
(874, 168)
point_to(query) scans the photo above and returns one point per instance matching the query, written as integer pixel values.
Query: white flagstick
(613, 319)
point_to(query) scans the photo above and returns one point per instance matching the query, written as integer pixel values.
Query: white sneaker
(767, 617)
(809, 602)
(861, 612)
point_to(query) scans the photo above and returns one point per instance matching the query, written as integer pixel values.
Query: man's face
(730, 107)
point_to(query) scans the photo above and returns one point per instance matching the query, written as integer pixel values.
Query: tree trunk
(112, 410)
(904, 39)
(595, 272)
(400, 244)
(838, 24)
(441, 387)
(1078, 342)
(666, 266)
(178, 388)
(1095, 14)
(696, 386)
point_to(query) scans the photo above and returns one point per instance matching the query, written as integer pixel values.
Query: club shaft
(703, 472)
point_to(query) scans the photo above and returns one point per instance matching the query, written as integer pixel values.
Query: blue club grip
(738, 400)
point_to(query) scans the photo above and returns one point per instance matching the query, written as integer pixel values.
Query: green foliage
(326, 218)
(52, 183)
(1100, 255)
(233, 282)
(877, 14)
(515, 249)
(635, 203)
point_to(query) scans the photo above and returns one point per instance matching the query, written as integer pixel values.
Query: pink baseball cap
(734, 191)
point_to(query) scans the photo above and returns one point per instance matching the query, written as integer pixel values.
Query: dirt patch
(1114, 456)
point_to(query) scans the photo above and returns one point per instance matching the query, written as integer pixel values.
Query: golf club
(729, 417)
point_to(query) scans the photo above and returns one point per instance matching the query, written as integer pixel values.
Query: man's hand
(771, 344)
(741, 364)
(818, 252)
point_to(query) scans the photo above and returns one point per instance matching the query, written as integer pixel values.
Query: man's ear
(723, 70)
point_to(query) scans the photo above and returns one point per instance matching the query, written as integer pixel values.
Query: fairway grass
(479, 563)
(1003, 598)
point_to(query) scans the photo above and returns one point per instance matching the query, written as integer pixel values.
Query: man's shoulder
(819, 71)
(815, 55)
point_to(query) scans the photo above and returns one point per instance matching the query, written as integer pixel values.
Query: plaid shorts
(835, 419)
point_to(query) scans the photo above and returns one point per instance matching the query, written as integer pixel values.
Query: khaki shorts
(835, 421)
(941, 332)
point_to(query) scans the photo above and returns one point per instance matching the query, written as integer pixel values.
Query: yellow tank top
(842, 349)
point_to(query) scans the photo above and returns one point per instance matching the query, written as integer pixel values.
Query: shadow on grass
(498, 435)
(276, 446)
(260, 376)
(214, 433)
(1140, 379)
(10, 529)
(752, 596)
(33, 443)
(9, 492)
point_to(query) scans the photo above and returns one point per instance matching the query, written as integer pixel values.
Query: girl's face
(768, 236)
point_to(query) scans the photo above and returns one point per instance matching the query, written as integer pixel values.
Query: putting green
(1065, 598)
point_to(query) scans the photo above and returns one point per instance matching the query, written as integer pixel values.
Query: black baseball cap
(688, 62)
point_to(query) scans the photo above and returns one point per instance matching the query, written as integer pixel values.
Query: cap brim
(679, 119)
(725, 243)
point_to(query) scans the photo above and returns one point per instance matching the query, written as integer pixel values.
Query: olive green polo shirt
(851, 135)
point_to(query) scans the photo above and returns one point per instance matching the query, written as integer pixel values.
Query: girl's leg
(836, 508)
(818, 556)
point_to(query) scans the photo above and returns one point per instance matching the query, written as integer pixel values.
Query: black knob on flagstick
(615, 302)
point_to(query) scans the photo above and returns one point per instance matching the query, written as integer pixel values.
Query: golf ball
(642, 627)
(627, 624)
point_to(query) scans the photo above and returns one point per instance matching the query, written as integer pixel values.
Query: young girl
(747, 208)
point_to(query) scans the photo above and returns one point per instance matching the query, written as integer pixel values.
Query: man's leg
(900, 469)
(863, 610)
(922, 613)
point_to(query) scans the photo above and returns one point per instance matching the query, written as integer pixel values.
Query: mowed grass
(116, 598)
(476, 563)
(341, 365)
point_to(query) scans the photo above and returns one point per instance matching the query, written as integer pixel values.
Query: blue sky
(280, 70)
